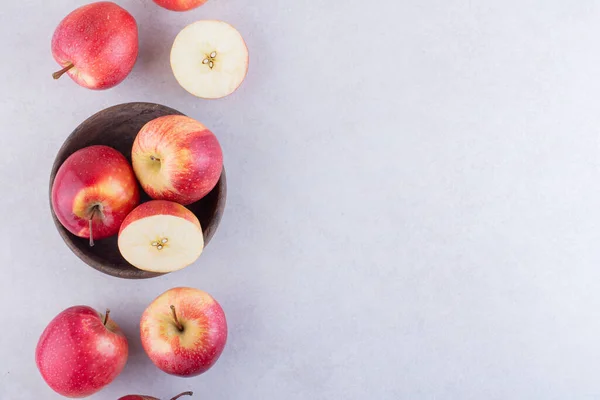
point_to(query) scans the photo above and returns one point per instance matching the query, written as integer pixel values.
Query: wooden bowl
(117, 127)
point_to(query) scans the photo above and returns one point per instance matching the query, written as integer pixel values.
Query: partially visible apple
(97, 45)
(177, 158)
(93, 191)
(180, 5)
(184, 331)
(80, 352)
(209, 59)
(161, 236)
(142, 397)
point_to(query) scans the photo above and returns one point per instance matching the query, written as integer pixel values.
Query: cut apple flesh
(161, 243)
(209, 59)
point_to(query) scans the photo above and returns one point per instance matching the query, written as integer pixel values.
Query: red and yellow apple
(184, 331)
(177, 158)
(142, 397)
(180, 5)
(209, 59)
(96, 45)
(93, 191)
(161, 236)
(80, 352)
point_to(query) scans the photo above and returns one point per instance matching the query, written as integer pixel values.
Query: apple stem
(106, 316)
(95, 209)
(60, 73)
(182, 394)
(179, 326)
(91, 232)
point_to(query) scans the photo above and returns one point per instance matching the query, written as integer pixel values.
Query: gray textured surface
(413, 200)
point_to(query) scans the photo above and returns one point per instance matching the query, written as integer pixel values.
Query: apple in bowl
(117, 127)
(80, 352)
(93, 191)
(96, 45)
(209, 59)
(177, 158)
(161, 236)
(184, 331)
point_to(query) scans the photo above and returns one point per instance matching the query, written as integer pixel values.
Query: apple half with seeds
(161, 236)
(209, 59)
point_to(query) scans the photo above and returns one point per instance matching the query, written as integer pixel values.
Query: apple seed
(159, 244)
(210, 59)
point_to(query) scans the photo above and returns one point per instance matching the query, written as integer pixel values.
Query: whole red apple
(93, 191)
(177, 158)
(80, 352)
(97, 45)
(142, 397)
(180, 5)
(184, 331)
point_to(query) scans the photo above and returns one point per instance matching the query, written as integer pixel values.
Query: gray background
(413, 200)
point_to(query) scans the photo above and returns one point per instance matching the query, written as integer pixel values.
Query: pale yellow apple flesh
(209, 59)
(161, 243)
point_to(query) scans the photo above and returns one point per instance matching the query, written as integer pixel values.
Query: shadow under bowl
(117, 127)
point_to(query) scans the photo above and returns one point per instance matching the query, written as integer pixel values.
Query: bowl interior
(117, 127)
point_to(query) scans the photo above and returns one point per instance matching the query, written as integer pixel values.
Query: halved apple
(161, 236)
(209, 59)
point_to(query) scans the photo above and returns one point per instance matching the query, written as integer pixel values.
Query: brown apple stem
(182, 394)
(106, 316)
(95, 210)
(177, 323)
(60, 73)
(91, 232)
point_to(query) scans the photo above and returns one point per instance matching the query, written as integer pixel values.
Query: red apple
(209, 59)
(161, 236)
(184, 331)
(80, 352)
(177, 158)
(180, 5)
(142, 397)
(97, 45)
(93, 191)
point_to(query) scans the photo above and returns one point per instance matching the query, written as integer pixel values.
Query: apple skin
(137, 397)
(159, 207)
(142, 397)
(101, 41)
(77, 355)
(94, 180)
(180, 5)
(177, 158)
(194, 350)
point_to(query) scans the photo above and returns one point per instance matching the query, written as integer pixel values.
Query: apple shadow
(157, 32)
(138, 363)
